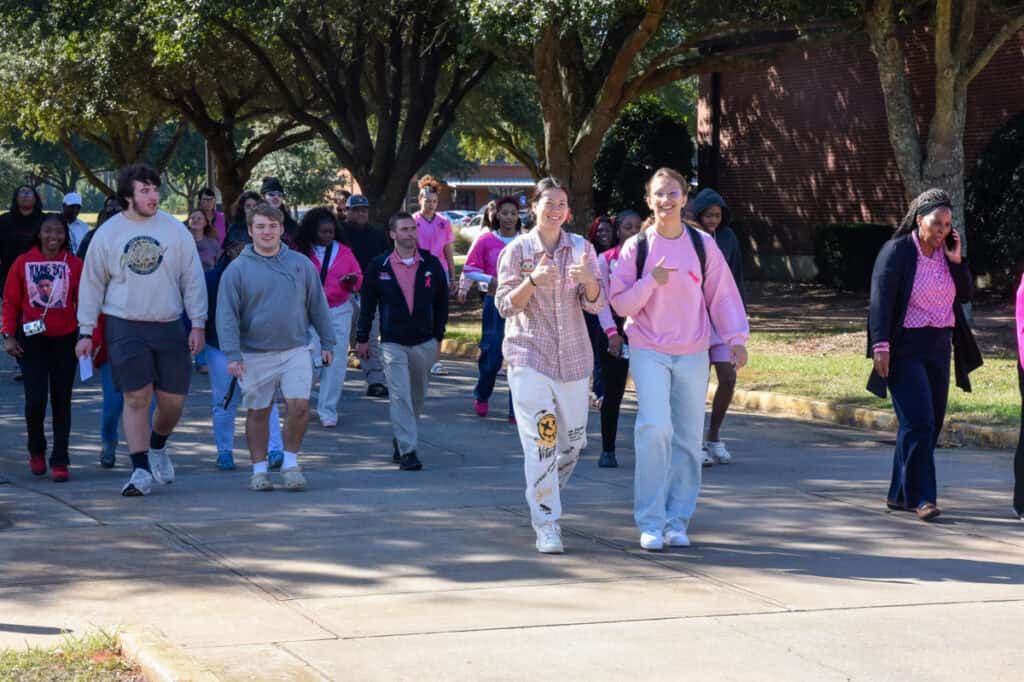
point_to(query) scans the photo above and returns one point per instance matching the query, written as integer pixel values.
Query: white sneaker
(293, 479)
(716, 449)
(260, 482)
(549, 538)
(139, 484)
(438, 370)
(676, 538)
(706, 460)
(652, 542)
(160, 463)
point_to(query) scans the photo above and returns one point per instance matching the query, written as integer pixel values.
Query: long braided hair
(926, 202)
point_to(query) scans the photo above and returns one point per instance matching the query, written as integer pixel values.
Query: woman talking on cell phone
(918, 287)
(40, 328)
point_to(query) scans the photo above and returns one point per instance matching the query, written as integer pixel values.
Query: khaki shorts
(291, 371)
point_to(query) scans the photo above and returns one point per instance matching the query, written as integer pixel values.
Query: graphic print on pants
(547, 440)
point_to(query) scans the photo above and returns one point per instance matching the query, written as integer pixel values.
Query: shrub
(461, 244)
(647, 136)
(994, 205)
(845, 253)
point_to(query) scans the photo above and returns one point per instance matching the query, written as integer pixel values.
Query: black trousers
(613, 375)
(1018, 458)
(49, 365)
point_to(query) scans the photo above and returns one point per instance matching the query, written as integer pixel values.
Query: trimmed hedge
(845, 253)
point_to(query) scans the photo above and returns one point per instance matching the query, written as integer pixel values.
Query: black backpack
(695, 239)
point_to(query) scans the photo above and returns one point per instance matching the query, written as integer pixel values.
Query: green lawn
(842, 376)
(90, 658)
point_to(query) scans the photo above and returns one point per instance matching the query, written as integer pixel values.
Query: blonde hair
(665, 172)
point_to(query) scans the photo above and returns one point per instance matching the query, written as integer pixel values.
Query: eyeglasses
(276, 195)
(674, 195)
(26, 193)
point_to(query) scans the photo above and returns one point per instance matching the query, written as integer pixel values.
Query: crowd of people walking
(269, 308)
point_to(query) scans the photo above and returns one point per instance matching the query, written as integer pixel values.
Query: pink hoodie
(673, 318)
(1020, 322)
(343, 263)
(483, 255)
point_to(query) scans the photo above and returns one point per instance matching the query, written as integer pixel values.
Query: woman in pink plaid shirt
(547, 278)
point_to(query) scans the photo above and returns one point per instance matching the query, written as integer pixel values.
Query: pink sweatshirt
(607, 262)
(433, 235)
(1020, 322)
(483, 256)
(343, 261)
(674, 318)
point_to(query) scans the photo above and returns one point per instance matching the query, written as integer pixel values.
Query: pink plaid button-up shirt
(549, 335)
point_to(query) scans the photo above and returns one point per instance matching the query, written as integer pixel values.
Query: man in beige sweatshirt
(142, 271)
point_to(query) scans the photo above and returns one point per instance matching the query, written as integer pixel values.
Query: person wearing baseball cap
(272, 192)
(78, 228)
(367, 242)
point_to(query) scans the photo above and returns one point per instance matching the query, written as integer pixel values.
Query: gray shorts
(290, 371)
(144, 353)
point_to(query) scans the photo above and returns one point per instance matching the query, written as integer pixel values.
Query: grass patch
(841, 377)
(94, 657)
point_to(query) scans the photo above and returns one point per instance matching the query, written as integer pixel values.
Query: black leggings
(49, 364)
(613, 375)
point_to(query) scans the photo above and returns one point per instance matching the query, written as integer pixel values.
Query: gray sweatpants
(408, 372)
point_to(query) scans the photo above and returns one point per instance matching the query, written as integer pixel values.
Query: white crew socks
(259, 467)
(291, 460)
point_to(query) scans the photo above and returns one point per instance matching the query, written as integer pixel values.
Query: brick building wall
(804, 142)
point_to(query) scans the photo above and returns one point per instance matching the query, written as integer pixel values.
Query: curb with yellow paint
(159, 659)
(954, 434)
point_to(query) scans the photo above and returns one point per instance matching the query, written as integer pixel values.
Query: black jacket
(16, 234)
(891, 282)
(430, 303)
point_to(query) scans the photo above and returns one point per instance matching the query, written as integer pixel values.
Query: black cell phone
(950, 240)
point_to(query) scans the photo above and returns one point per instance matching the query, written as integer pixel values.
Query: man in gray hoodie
(268, 298)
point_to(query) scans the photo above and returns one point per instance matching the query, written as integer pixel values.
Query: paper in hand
(85, 367)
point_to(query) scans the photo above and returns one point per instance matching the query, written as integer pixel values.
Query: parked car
(471, 230)
(455, 217)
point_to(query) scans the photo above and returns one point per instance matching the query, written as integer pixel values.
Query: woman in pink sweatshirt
(482, 268)
(670, 302)
(320, 238)
(1018, 459)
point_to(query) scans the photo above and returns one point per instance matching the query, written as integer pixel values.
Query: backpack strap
(698, 246)
(641, 253)
(326, 264)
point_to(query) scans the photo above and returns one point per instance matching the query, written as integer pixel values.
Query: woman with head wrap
(919, 284)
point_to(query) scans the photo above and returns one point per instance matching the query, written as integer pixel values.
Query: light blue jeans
(670, 390)
(224, 419)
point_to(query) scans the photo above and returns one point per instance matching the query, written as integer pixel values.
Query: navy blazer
(891, 283)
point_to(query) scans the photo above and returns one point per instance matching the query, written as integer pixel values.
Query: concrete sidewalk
(797, 571)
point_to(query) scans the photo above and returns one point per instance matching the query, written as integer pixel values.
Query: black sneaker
(394, 453)
(409, 462)
(608, 461)
(377, 391)
(1019, 511)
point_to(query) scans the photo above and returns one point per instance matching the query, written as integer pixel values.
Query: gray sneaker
(293, 479)
(140, 483)
(260, 483)
(160, 463)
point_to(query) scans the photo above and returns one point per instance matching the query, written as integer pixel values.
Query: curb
(954, 434)
(159, 660)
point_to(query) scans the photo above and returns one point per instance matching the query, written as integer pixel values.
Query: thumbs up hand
(581, 272)
(545, 273)
(660, 273)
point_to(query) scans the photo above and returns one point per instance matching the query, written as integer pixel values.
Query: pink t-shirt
(433, 235)
(483, 255)
(676, 319)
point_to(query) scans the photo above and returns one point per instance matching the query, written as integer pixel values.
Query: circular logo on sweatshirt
(142, 255)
